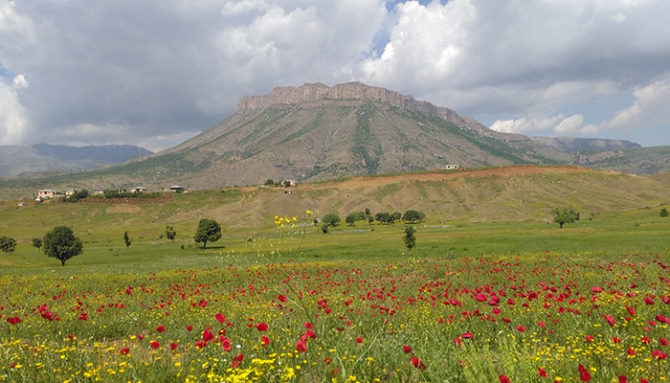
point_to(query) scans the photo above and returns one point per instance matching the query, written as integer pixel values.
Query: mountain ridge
(315, 132)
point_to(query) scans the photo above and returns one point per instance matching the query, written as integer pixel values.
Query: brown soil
(440, 175)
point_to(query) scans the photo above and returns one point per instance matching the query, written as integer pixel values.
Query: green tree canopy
(37, 242)
(208, 231)
(409, 238)
(331, 219)
(60, 243)
(353, 217)
(565, 215)
(7, 244)
(413, 216)
(170, 233)
(126, 238)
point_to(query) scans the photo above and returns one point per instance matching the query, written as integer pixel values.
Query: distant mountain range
(315, 132)
(16, 160)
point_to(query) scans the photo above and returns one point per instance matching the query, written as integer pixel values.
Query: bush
(664, 212)
(7, 244)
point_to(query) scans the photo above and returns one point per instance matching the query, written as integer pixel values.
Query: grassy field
(475, 301)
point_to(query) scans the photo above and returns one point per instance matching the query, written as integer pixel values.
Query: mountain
(15, 160)
(315, 132)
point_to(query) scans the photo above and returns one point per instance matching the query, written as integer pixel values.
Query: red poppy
(124, 351)
(220, 318)
(155, 344)
(623, 379)
(282, 298)
(610, 320)
(14, 320)
(542, 372)
(416, 362)
(301, 346)
(521, 328)
(265, 341)
(467, 335)
(262, 327)
(663, 341)
(208, 335)
(584, 374)
(407, 349)
(173, 346)
(630, 351)
(160, 328)
(658, 354)
(189, 328)
(503, 379)
(359, 340)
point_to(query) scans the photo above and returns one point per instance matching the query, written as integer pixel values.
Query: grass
(363, 308)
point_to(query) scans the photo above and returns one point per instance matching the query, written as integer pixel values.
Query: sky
(154, 73)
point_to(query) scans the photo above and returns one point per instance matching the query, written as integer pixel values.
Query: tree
(413, 216)
(353, 217)
(331, 219)
(409, 238)
(384, 218)
(77, 195)
(664, 212)
(395, 216)
(269, 182)
(60, 243)
(208, 231)
(126, 238)
(7, 244)
(565, 215)
(37, 242)
(170, 233)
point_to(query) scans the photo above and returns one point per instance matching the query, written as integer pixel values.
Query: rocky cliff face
(313, 93)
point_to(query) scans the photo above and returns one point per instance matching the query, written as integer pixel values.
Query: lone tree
(126, 239)
(37, 242)
(170, 233)
(664, 212)
(7, 244)
(565, 215)
(208, 231)
(60, 243)
(409, 238)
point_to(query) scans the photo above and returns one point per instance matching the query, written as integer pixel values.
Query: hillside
(315, 133)
(500, 194)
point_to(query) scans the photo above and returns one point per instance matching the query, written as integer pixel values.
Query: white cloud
(541, 125)
(13, 121)
(19, 82)
(650, 107)
(235, 8)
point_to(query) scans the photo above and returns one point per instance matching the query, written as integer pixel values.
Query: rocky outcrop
(309, 93)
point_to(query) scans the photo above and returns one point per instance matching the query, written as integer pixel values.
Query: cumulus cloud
(556, 125)
(650, 107)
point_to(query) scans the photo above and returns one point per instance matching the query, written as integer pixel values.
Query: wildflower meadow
(539, 316)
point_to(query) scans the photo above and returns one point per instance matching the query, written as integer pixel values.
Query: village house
(451, 167)
(46, 194)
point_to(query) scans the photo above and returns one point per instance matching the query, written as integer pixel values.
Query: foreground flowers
(507, 319)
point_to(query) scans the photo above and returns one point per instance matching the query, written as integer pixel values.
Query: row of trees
(410, 216)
